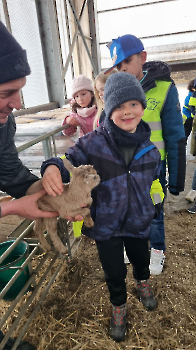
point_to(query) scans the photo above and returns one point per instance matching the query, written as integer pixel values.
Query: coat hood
(155, 70)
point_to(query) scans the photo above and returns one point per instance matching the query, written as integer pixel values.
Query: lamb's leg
(88, 221)
(39, 230)
(51, 226)
(85, 212)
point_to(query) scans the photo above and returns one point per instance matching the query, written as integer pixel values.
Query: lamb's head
(86, 175)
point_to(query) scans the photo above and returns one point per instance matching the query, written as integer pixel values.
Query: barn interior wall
(159, 46)
(82, 64)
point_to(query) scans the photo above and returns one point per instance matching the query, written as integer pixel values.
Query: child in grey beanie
(123, 93)
(125, 201)
(120, 88)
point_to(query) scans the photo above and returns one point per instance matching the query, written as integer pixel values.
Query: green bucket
(14, 259)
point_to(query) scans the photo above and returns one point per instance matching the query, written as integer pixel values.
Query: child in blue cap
(163, 114)
(128, 196)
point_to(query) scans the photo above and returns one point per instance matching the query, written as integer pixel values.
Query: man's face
(10, 97)
(133, 65)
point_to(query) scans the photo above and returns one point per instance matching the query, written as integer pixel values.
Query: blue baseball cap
(123, 47)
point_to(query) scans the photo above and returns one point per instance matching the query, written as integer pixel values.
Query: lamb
(83, 179)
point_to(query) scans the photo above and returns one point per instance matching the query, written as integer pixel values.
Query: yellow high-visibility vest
(156, 192)
(192, 101)
(156, 98)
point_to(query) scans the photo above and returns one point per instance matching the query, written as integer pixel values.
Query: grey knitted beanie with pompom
(120, 88)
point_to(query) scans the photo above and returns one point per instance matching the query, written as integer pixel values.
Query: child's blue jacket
(186, 108)
(121, 202)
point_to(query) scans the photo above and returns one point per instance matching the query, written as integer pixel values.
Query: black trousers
(111, 254)
(188, 127)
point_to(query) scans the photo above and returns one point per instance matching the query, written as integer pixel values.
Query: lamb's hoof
(63, 254)
(62, 250)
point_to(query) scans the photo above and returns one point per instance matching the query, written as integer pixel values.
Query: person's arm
(26, 207)
(70, 120)
(15, 178)
(175, 141)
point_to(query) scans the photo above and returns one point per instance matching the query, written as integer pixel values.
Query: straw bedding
(76, 312)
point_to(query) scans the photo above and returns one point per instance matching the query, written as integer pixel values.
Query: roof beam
(136, 5)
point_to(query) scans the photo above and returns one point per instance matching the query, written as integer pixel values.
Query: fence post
(47, 148)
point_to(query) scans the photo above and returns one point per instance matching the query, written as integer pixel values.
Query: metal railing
(19, 234)
(45, 139)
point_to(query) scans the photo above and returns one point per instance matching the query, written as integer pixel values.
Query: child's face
(100, 88)
(83, 98)
(128, 115)
(133, 65)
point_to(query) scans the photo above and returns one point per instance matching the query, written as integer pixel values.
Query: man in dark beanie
(13, 59)
(128, 196)
(15, 178)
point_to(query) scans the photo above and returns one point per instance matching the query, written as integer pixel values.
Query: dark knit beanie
(13, 59)
(120, 88)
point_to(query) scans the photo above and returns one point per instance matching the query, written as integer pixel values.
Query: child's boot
(192, 209)
(191, 196)
(118, 327)
(145, 294)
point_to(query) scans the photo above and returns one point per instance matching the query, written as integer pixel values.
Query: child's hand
(52, 181)
(71, 120)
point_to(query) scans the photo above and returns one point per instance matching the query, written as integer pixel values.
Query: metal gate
(36, 282)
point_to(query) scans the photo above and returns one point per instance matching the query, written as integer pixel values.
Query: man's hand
(27, 207)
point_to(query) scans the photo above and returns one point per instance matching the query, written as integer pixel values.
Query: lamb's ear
(68, 165)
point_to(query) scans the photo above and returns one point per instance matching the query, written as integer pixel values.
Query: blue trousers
(157, 233)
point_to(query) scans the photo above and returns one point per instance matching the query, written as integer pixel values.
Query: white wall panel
(160, 24)
(24, 27)
(113, 4)
(143, 21)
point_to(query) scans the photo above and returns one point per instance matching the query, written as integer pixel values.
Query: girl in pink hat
(83, 107)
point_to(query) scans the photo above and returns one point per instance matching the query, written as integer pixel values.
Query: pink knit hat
(81, 83)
